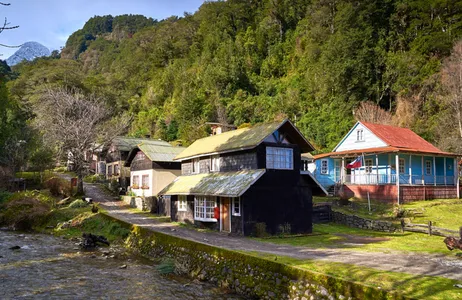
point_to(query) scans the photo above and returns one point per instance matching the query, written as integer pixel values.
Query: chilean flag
(357, 163)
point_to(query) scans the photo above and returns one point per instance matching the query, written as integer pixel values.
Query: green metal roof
(160, 152)
(224, 184)
(240, 139)
(123, 143)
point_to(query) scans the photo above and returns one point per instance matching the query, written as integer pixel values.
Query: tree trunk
(80, 184)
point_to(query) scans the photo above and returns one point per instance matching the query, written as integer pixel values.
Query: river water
(48, 267)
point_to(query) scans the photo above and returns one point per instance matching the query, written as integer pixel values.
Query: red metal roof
(401, 138)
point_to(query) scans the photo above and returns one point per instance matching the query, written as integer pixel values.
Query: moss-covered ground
(413, 286)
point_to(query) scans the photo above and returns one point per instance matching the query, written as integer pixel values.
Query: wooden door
(225, 219)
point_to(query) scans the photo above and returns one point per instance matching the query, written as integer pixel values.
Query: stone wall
(358, 222)
(142, 203)
(247, 275)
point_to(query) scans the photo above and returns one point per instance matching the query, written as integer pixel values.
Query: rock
(15, 248)
(173, 229)
(123, 267)
(90, 241)
(457, 285)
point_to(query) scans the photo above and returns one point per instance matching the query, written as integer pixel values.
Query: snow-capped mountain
(28, 51)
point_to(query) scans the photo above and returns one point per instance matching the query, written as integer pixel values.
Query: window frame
(116, 169)
(326, 171)
(279, 158)
(143, 186)
(360, 135)
(195, 165)
(109, 170)
(402, 166)
(182, 203)
(428, 167)
(368, 164)
(202, 210)
(238, 200)
(215, 163)
(136, 182)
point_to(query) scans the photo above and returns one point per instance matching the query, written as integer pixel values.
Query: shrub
(4, 195)
(260, 230)
(78, 204)
(93, 178)
(24, 213)
(60, 169)
(58, 186)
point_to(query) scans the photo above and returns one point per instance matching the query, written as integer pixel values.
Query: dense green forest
(245, 61)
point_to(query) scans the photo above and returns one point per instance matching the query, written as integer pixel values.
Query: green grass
(443, 213)
(414, 286)
(343, 237)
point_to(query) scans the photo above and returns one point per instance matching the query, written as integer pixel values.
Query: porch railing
(404, 179)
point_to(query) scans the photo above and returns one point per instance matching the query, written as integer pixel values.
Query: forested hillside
(245, 61)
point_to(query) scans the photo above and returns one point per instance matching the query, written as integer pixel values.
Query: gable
(350, 141)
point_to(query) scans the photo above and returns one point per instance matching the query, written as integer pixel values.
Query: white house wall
(369, 140)
(143, 192)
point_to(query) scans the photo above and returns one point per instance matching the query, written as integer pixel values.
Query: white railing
(404, 179)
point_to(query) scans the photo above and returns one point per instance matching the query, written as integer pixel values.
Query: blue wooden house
(387, 163)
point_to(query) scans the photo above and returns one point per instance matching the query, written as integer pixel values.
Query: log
(453, 243)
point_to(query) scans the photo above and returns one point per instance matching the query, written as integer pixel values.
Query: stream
(49, 267)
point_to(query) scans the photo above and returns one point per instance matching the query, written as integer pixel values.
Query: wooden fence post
(429, 227)
(460, 232)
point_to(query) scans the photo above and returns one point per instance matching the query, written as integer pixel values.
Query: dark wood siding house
(117, 154)
(243, 179)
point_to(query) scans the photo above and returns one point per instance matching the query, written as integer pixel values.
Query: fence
(403, 179)
(430, 229)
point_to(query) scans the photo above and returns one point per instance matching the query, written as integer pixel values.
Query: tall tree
(76, 123)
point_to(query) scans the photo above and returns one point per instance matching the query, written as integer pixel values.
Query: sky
(50, 22)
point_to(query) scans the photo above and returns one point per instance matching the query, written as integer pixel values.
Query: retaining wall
(358, 222)
(245, 274)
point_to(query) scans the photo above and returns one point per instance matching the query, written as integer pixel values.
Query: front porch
(392, 176)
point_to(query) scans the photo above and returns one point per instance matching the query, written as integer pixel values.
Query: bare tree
(370, 112)
(6, 26)
(75, 123)
(451, 77)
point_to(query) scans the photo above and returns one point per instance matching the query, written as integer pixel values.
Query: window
(109, 170)
(136, 182)
(401, 166)
(182, 203)
(359, 135)
(368, 165)
(215, 163)
(195, 165)
(116, 170)
(204, 208)
(236, 206)
(145, 182)
(324, 168)
(428, 167)
(279, 158)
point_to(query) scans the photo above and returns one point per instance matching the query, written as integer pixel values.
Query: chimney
(218, 128)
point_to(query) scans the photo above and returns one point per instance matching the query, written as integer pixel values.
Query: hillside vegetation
(242, 61)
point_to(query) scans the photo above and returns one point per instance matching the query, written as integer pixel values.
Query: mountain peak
(28, 51)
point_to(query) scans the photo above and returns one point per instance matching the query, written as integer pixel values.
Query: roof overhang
(308, 173)
(224, 184)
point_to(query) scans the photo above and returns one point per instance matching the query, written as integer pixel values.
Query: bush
(4, 195)
(93, 178)
(78, 204)
(24, 213)
(260, 230)
(60, 169)
(59, 186)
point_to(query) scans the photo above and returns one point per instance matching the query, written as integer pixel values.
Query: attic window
(279, 158)
(359, 135)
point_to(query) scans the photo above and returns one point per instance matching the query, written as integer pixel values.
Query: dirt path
(418, 264)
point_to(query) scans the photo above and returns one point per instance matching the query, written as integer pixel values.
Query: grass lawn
(443, 213)
(419, 287)
(338, 236)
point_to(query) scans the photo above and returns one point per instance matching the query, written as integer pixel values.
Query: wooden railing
(430, 229)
